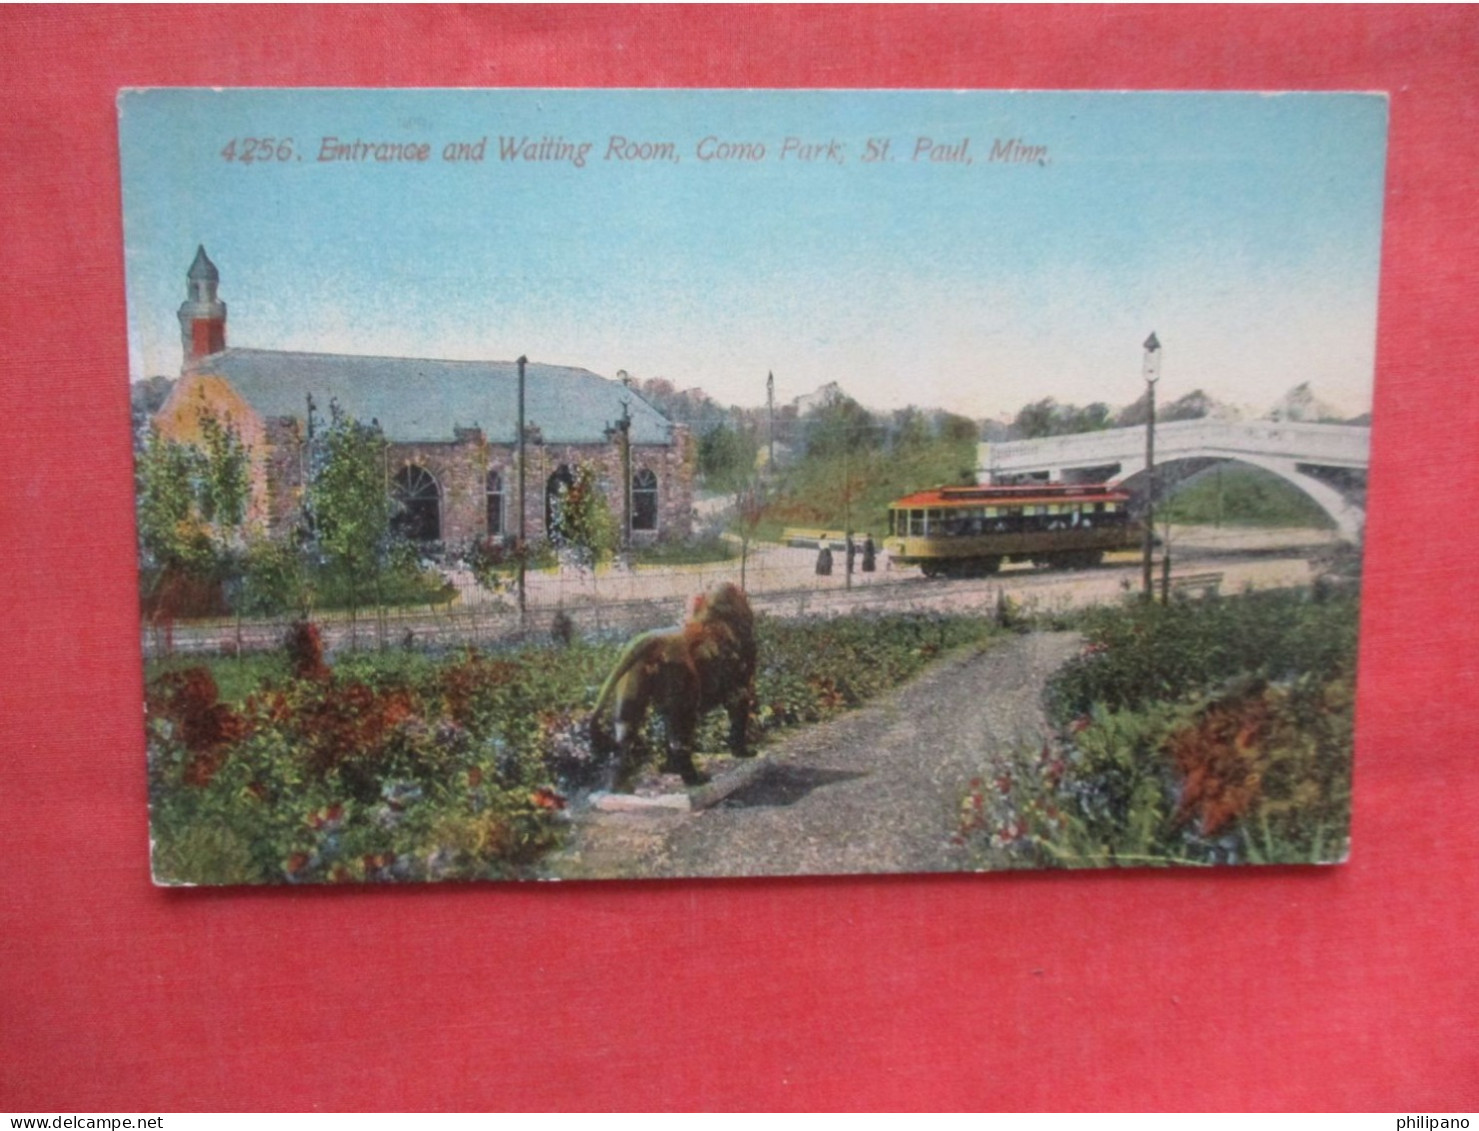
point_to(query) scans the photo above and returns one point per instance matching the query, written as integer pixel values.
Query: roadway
(781, 581)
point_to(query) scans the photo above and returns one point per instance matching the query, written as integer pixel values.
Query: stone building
(451, 427)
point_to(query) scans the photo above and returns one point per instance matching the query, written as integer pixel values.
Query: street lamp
(1151, 370)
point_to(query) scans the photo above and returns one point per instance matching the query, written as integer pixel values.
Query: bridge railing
(1336, 445)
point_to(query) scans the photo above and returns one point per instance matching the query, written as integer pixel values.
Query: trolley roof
(1018, 495)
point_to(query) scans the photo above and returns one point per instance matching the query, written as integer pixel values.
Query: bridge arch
(1349, 519)
(1296, 452)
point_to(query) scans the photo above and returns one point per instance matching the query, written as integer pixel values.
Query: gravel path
(875, 790)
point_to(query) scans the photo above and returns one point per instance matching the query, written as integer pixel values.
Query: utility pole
(1152, 372)
(770, 402)
(847, 545)
(307, 470)
(523, 516)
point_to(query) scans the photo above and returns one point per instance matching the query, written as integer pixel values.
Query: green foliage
(173, 533)
(1143, 653)
(909, 428)
(145, 399)
(274, 580)
(955, 429)
(702, 551)
(812, 669)
(586, 531)
(726, 457)
(839, 425)
(1049, 418)
(404, 766)
(236, 676)
(1206, 733)
(349, 508)
(402, 583)
(192, 500)
(192, 508)
(224, 485)
(1193, 406)
(855, 489)
(1244, 496)
(377, 773)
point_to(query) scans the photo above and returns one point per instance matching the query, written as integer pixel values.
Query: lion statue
(682, 674)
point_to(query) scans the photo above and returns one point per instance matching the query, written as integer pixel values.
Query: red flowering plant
(1214, 732)
(402, 765)
(366, 773)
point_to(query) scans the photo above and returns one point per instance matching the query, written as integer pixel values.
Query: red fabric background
(1344, 987)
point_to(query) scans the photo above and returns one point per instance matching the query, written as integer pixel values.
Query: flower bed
(1214, 732)
(406, 766)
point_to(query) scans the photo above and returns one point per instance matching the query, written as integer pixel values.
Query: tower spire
(202, 314)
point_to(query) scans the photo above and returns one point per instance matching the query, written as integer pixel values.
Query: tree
(585, 530)
(725, 457)
(145, 399)
(273, 580)
(1049, 418)
(225, 477)
(749, 512)
(172, 533)
(958, 429)
(192, 512)
(1193, 406)
(839, 425)
(692, 407)
(348, 504)
(910, 429)
(1035, 420)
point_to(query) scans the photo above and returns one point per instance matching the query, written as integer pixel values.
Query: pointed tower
(202, 314)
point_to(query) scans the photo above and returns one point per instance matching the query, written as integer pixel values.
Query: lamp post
(1151, 370)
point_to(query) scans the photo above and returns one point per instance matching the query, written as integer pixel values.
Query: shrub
(185, 705)
(1210, 733)
(398, 766)
(305, 650)
(1148, 652)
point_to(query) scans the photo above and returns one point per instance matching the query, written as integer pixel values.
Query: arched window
(418, 501)
(554, 494)
(495, 504)
(644, 499)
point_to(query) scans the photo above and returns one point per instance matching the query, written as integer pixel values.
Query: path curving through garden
(875, 790)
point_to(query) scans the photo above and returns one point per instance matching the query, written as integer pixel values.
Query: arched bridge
(1322, 460)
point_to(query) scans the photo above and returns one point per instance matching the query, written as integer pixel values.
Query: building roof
(417, 399)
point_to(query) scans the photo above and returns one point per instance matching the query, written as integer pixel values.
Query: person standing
(824, 557)
(870, 554)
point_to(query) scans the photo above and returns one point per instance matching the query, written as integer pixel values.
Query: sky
(1243, 229)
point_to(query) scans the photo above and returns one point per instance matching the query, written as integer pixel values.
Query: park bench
(810, 538)
(1205, 584)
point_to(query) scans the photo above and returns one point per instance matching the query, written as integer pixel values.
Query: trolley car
(970, 531)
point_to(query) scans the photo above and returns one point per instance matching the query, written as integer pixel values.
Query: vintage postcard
(586, 484)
